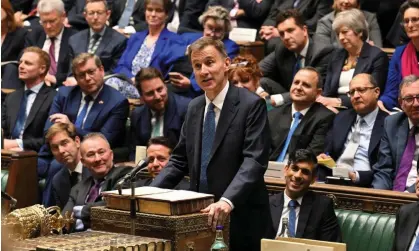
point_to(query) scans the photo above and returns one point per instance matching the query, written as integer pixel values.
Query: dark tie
(298, 64)
(124, 20)
(53, 67)
(83, 113)
(406, 162)
(74, 178)
(208, 136)
(297, 117)
(94, 191)
(293, 204)
(21, 116)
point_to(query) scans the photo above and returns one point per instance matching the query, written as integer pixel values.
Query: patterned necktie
(51, 51)
(80, 118)
(208, 136)
(93, 44)
(21, 116)
(156, 125)
(94, 191)
(406, 162)
(293, 204)
(348, 155)
(124, 20)
(297, 118)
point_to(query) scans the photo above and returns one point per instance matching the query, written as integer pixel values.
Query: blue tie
(82, 115)
(21, 116)
(292, 217)
(124, 20)
(416, 246)
(208, 136)
(298, 64)
(297, 117)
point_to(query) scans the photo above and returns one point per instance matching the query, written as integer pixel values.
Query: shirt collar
(410, 124)
(303, 112)
(101, 33)
(94, 95)
(370, 117)
(59, 36)
(288, 199)
(219, 99)
(303, 53)
(79, 168)
(35, 88)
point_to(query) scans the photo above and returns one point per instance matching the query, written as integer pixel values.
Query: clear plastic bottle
(219, 244)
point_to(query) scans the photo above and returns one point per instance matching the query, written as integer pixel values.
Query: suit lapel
(41, 39)
(97, 107)
(106, 39)
(38, 102)
(15, 103)
(309, 53)
(74, 104)
(342, 132)
(87, 184)
(402, 135)
(277, 205)
(337, 66)
(304, 215)
(227, 115)
(283, 127)
(169, 114)
(85, 41)
(197, 117)
(413, 220)
(63, 49)
(363, 61)
(160, 44)
(377, 131)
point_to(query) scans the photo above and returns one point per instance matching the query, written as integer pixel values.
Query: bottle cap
(219, 228)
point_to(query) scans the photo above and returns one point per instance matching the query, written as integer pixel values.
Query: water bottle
(219, 244)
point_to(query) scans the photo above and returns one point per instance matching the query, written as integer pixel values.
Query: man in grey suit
(296, 51)
(325, 34)
(396, 168)
(97, 156)
(224, 146)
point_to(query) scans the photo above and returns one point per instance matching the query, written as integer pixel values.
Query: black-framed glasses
(361, 91)
(406, 21)
(409, 100)
(90, 72)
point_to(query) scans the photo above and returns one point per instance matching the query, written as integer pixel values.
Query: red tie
(53, 67)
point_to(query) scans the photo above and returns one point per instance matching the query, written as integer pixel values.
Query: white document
(243, 35)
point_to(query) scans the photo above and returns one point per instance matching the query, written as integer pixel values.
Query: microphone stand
(133, 208)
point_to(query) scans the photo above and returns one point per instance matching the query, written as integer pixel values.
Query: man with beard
(396, 168)
(355, 144)
(162, 114)
(302, 123)
(310, 216)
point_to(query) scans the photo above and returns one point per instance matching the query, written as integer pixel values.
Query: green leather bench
(363, 231)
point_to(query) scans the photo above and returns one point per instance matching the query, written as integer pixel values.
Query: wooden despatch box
(186, 232)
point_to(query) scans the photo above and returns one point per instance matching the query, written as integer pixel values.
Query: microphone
(140, 165)
(6, 196)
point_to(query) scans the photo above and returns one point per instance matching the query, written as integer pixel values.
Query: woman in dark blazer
(356, 56)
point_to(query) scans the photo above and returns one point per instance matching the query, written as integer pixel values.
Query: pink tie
(53, 67)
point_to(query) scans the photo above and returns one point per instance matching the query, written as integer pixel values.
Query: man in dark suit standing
(310, 216)
(406, 229)
(302, 123)
(65, 146)
(296, 51)
(99, 39)
(163, 112)
(53, 38)
(25, 111)
(396, 168)
(97, 156)
(355, 143)
(224, 146)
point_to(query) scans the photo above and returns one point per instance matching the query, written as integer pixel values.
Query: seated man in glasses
(355, 143)
(396, 168)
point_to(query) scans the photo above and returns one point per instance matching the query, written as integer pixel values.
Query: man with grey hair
(398, 155)
(97, 156)
(52, 38)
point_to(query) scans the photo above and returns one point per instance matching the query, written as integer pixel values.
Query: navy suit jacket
(33, 135)
(174, 115)
(37, 37)
(163, 55)
(392, 145)
(317, 219)
(310, 132)
(238, 161)
(109, 50)
(407, 220)
(108, 114)
(338, 134)
(61, 185)
(371, 60)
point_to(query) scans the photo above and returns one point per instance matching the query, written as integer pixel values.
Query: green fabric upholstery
(362, 231)
(4, 177)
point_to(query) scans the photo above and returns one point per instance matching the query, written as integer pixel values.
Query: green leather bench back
(363, 231)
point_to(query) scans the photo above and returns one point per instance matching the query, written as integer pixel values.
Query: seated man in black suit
(302, 123)
(97, 156)
(99, 39)
(296, 51)
(355, 143)
(158, 153)
(25, 111)
(53, 38)
(163, 112)
(310, 216)
(407, 224)
(65, 146)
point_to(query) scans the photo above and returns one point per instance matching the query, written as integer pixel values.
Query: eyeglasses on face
(406, 21)
(361, 91)
(409, 100)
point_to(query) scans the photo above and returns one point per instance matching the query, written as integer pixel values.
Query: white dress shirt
(344, 80)
(83, 102)
(57, 45)
(286, 212)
